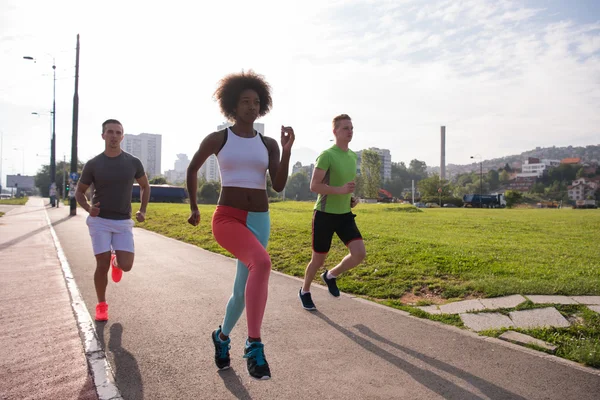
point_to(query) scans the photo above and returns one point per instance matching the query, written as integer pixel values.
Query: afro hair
(231, 87)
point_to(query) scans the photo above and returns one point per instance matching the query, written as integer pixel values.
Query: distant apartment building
(210, 169)
(177, 175)
(307, 169)
(182, 162)
(583, 188)
(534, 167)
(386, 162)
(148, 148)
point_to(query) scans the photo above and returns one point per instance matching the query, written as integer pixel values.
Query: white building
(386, 162)
(210, 169)
(148, 148)
(534, 167)
(178, 174)
(173, 177)
(182, 163)
(582, 188)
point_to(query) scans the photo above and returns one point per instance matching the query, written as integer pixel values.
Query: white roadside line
(102, 374)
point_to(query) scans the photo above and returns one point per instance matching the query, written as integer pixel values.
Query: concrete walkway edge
(489, 339)
(99, 368)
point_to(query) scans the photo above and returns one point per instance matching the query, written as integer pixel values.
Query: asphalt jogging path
(158, 344)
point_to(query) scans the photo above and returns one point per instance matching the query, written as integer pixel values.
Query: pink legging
(232, 233)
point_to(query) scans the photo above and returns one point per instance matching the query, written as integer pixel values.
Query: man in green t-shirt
(333, 180)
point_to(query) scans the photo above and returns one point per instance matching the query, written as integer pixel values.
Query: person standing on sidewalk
(52, 194)
(241, 222)
(333, 181)
(112, 173)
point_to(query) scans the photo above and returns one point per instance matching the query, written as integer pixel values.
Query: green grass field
(15, 201)
(448, 253)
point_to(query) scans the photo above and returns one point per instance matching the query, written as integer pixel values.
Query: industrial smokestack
(443, 155)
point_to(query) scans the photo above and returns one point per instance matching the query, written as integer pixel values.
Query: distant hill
(587, 154)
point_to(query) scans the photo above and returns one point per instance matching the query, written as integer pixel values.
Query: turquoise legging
(230, 224)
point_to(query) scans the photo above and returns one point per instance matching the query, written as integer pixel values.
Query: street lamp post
(53, 140)
(480, 178)
(73, 202)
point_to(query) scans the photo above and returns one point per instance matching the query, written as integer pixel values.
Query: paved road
(162, 313)
(41, 356)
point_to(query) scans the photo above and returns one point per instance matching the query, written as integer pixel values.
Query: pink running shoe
(102, 311)
(117, 273)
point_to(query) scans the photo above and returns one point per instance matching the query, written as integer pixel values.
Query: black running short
(325, 225)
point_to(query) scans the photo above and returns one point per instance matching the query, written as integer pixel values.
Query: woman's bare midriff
(254, 200)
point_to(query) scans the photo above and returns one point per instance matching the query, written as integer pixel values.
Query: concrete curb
(98, 366)
(499, 342)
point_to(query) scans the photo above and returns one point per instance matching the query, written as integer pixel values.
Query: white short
(110, 234)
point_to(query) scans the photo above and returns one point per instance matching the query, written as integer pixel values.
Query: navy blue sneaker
(221, 350)
(258, 367)
(306, 300)
(331, 284)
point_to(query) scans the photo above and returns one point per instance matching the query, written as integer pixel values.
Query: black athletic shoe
(258, 367)
(331, 284)
(221, 350)
(306, 300)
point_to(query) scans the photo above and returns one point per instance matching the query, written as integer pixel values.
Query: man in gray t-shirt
(112, 174)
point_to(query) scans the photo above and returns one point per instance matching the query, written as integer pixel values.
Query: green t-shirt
(340, 167)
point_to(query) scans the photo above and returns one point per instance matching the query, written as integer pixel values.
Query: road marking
(99, 368)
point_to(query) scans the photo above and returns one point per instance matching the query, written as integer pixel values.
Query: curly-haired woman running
(241, 223)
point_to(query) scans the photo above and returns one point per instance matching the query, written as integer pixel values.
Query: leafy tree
(512, 197)
(359, 188)
(370, 169)
(63, 170)
(429, 187)
(158, 180)
(562, 173)
(580, 173)
(493, 179)
(537, 188)
(298, 187)
(418, 168)
(507, 168)
(504, 176)
(270, 192)
(395, 186)
(209, 193)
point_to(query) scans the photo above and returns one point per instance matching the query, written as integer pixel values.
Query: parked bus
(161, 194)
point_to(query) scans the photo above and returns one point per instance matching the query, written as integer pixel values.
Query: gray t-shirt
(113, 181)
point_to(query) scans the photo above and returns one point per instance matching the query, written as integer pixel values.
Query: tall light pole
(53, 140)
(480, 178)
(74, 177)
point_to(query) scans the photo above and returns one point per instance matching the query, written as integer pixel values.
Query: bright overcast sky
(503, 76)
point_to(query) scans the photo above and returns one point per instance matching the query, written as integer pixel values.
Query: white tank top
(243, 162)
